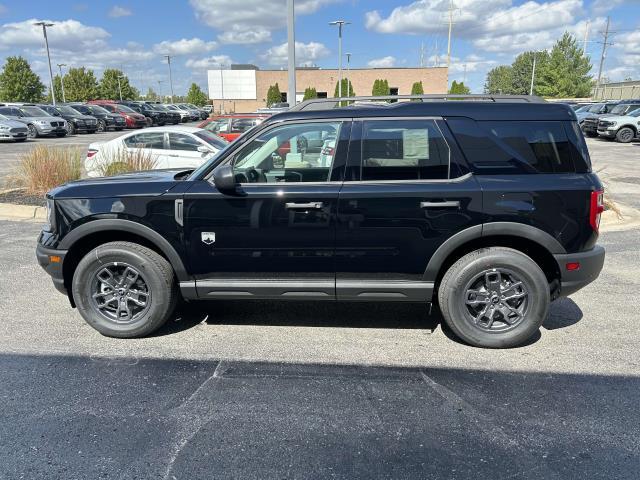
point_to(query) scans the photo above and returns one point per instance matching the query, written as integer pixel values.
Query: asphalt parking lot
(304, 390)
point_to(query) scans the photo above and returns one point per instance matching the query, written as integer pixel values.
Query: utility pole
(422, 55)
(348, 74)
(340, 24)
(464, 78)
(60, 65)
(586, 38)
(222, 89)
(160, 82)
(533, 73)
(168, 57)
(291, 47)
(449, 41)
(119, 86)
(604, 51)
(44, 26)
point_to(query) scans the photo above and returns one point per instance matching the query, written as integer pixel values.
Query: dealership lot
(316, 390)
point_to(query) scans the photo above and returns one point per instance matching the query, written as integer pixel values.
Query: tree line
(19, 83)
(562, 72)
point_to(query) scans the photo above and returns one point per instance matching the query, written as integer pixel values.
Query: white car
(167, 147)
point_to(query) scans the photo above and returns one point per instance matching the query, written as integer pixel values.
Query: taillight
(596, 209)
(91, 152)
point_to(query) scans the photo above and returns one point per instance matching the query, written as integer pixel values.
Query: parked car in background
(622, 128)
(231, 126)
(132, 118)
(203, 113)
(208, 108)
(185, 114)
(173, 117)
(106, 119)
(153, 116)
(39, 123)
(194, 113)
(594, 110)
(590, 123)
(76, 121)
(12, 129)
(168, 147)
(581, 107)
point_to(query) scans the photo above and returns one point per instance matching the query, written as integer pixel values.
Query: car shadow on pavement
(562, 313)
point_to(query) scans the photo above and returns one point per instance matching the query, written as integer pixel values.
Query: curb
(22, 212)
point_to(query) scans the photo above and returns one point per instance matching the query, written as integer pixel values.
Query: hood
(42, 119)
(151, 183)
(12, 123)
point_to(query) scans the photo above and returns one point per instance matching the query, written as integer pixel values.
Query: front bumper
(46, 258)
(8, 134)
(591, 263)
(607, 133)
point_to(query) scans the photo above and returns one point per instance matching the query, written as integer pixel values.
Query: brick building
(243, 88)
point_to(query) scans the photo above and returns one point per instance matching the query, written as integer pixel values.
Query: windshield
(2, 117)
(583, 108)
(97, 109)
(623, 109)
(171, 107)
(124, 108)
(191, 105)
(595, 108)
(68, 110)
(34, 112)
(211, 139)
(635, 113)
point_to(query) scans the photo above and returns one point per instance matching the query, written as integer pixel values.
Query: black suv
(153, 116)
(106, 119)
(488, 208)
(76, 121)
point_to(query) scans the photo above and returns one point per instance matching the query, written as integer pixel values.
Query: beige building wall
(434, 80)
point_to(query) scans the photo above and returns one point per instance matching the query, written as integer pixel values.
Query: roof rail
(323, 103)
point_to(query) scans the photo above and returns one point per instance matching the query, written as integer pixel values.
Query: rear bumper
(54, 269)
(591, 263)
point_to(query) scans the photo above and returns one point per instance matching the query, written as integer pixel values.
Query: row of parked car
(616, 120)
(19, 121)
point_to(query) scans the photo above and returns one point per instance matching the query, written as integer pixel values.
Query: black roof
(472, 109)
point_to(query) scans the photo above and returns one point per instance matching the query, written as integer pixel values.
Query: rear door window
(180, 141)
(146, 140)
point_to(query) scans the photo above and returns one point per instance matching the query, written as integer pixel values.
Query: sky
(204, 34)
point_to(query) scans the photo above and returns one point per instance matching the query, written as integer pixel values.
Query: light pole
(348, 55)
(291, 53)
(119, 86)
(60, 65)
(340, 24)
(160, 82)
(44, 26)
(168, 57)
(222, 88)
(533, 73)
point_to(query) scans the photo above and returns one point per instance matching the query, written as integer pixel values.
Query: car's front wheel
(32, 131)
(102, 126)
(124, 290)
(625, 135)
(494, 297)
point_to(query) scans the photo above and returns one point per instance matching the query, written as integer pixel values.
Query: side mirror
(204, 149)
(224, 179)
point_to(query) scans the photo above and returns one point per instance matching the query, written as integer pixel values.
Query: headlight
(611, 124)
(51, 215)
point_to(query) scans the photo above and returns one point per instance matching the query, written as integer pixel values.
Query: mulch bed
(21, 197)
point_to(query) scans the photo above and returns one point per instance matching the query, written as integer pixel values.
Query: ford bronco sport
(486, 206)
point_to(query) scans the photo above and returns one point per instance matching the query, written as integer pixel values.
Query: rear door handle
(304, 206)
(448, 204)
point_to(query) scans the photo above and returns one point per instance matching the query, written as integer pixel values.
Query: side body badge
(208, 238)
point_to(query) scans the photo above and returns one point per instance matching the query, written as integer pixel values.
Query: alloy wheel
(31, 131)
(101, 126)
(119, 293)
(496, 300)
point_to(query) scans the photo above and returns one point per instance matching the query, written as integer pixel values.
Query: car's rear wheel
(102, 126)
(124, 290)
(32, 131)
(71, 128)
(494, 297)
(625, 135)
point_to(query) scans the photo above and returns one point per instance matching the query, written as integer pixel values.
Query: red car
(132, 118)
(231, 126)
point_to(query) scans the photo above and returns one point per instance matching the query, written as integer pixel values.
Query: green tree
(152, 96)
(108, 86)
(417, 88)
(521, 70)
(347, 90)
(309, 93)
(380, 88)
(196, 96)
(566, 73)
(498, 80)
(18, 83)
(459, 88)
(80, 85)
(273, 95)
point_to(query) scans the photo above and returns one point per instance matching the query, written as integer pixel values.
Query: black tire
(591, 134)
(32, 132)
(119, 129)
(625, 135)
(20, 139)
(71, 128)
(60, 135)
(102, 126)
(149, 122)
(453, 297)
(155, 273)
(91, 131)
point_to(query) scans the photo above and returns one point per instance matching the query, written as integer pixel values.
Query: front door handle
(449, 204)
(304, 206)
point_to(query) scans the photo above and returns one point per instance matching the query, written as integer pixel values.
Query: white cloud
(384, 62)
(117, 12)
(254, 21)
(208, 63)
(66, 34)
(306, 54)
(184, 46)
(600, 7)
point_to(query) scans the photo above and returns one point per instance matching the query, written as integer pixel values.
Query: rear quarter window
(515, 147)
